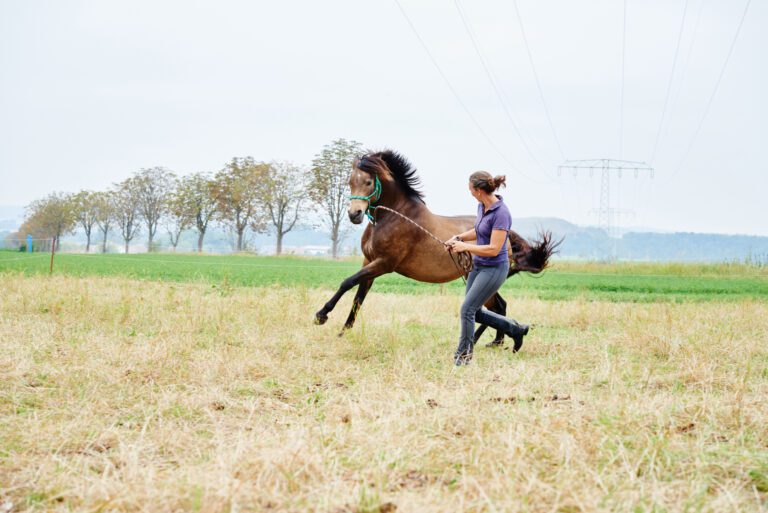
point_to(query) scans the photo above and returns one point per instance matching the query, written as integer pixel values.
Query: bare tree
(52, 216)
(329, 186)
(105, 210)
(86, 213)
(126, 203)
(197, 195)
(152, 187)
(237, 195)
(280, 195)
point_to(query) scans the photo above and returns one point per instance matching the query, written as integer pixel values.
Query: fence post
(29, 243)
(53, 251)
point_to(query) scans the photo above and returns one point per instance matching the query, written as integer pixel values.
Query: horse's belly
(429, 270)
(423, 258)
(429, 278)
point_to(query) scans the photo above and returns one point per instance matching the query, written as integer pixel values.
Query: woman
(491, 264)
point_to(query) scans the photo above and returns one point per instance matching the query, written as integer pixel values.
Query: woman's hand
(456, 246)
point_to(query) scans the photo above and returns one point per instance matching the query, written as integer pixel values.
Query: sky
(92, 91)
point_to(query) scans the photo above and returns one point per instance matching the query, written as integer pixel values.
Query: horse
(386, 189)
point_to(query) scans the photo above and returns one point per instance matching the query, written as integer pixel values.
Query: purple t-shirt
(496, 218)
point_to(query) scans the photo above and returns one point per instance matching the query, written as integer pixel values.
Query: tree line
(245, 196)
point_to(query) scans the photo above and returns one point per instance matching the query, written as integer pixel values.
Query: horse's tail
(531, 258)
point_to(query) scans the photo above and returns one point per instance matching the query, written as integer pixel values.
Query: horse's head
(365, 180)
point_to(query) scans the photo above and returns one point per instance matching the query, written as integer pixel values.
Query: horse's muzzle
(356, 217)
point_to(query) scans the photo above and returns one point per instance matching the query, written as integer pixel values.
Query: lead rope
(464, 263)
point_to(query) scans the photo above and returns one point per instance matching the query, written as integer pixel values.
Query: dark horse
(392, 244)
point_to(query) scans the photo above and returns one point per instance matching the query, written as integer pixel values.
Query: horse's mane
(388, 163)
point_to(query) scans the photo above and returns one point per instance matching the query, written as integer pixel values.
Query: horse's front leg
(369, 272)
(357, 303)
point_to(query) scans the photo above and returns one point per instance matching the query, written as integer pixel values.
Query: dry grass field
(125, 395)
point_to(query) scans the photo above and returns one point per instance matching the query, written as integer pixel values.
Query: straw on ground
(128, 395)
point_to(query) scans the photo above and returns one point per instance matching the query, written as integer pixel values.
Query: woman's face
(474, 192)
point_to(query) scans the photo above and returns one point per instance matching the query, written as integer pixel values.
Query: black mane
(403, 173)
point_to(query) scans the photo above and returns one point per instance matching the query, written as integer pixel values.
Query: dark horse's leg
(362, 291)
(498, 305)
(367, 273)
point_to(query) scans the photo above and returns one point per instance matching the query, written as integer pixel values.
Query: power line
(621, 108)
(688, 55)
(456, 95)
(563, 193)
(714, 91)
(538, 83)
(686, 64)
(494, 84)
(669, 84)
(645, 206)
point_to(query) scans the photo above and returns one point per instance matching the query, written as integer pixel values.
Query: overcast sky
(92, 91)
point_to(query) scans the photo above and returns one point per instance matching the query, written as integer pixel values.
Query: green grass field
(565, 280)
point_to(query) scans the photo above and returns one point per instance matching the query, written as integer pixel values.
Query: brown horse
(391, 244)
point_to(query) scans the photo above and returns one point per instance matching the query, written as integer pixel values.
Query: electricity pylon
(605, 213)
(614, 214)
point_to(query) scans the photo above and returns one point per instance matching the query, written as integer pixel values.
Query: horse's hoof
(320, 318)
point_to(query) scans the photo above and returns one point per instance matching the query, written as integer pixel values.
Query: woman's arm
(468, 235)
(498, 237)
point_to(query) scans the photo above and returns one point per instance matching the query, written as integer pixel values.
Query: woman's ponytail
(485, 182)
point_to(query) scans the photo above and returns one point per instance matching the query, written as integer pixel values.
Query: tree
(50, 217)
(126, 203)
(280, 195)
(177, 215)
(329, 185)
(152, 187)
(197, 196)
(85, 211)
(237, 195)
(105, 209)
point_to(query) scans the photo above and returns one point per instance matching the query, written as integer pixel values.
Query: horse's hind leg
(357, 303)
(501, 309)
(497, 305)
(479, 332)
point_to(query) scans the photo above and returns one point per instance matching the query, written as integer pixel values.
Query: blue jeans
(482, 283)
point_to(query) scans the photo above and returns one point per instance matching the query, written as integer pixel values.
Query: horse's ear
(374, 165)
(384, 174)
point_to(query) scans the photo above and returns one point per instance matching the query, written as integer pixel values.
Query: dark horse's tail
(531, 257)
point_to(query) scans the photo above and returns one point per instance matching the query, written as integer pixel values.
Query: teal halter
(376, 192)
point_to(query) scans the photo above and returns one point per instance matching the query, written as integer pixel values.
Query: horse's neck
(407, 206)
(414, 209)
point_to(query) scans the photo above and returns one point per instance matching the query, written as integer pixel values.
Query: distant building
(297, 250)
